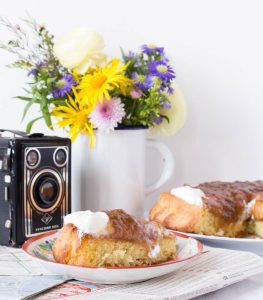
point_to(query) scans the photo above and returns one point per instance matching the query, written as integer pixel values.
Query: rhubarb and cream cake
(230, 209)
(112, 238)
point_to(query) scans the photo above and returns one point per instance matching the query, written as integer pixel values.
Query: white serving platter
(249, 243)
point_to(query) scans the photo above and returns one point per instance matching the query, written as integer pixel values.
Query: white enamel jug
(112, 174)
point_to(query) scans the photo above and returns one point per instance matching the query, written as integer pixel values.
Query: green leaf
(29, 104)
(58, 102)
(26, 90)
(52, 79)
(23, 98)
(20, 64)
(47, 120)
(122, 53)
(166, 118)
(31, 123)
(45, 112)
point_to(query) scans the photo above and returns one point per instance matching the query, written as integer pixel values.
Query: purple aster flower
(160, 69)
(138, 64)
(130, 55)
(151, 49)
(158, 120)
(166, 104)
(32, 72)
(63, 86)
(35, 69)
(170, 89)
(142, 82)
(106, 115)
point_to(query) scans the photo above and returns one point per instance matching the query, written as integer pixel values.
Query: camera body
(35, 177)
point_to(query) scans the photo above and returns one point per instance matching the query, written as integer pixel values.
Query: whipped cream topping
(88, 222)
(186, 248)
(247, 213)
(154, 251)
(189, 194)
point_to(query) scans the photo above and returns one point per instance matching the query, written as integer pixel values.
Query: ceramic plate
(250, 243)
(40, 249)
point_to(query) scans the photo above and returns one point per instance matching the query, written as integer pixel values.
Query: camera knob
(8, 224)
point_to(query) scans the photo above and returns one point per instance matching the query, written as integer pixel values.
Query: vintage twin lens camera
(34, 185)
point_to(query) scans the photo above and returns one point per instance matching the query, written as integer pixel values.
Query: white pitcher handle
(168, 168)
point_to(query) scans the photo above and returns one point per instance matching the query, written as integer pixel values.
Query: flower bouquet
(79, 88)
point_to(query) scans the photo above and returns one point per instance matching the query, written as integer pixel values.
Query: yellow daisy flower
(97, 85)
(74, 114)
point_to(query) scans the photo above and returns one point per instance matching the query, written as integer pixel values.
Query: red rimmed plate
(40, 249)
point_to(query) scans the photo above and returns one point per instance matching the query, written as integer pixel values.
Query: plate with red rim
(248, 243)
(39, 248)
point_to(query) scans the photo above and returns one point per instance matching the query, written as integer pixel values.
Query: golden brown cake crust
(257, 210)
(65, 242)
(175, 213)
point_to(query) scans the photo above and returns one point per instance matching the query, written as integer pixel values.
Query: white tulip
(80, 49)
(176, 115)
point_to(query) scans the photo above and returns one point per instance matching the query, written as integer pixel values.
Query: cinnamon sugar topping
(123, 226)
(229, 200)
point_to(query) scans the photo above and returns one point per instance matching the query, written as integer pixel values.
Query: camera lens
(60, 157)
(46, 191)
(32, 158)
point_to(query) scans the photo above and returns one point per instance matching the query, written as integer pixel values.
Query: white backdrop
(216, 50)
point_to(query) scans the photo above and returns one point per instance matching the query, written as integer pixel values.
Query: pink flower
(106, 115)
(135, 94)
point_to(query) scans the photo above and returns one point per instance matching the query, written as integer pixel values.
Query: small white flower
(80, 49)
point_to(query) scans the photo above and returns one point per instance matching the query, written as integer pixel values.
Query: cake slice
(112, 238)
(230, 209)
(256, 221)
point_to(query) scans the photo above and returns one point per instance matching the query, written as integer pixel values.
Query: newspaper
(14, 261)
(213, 270)
(21, 277)
(23, 287)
